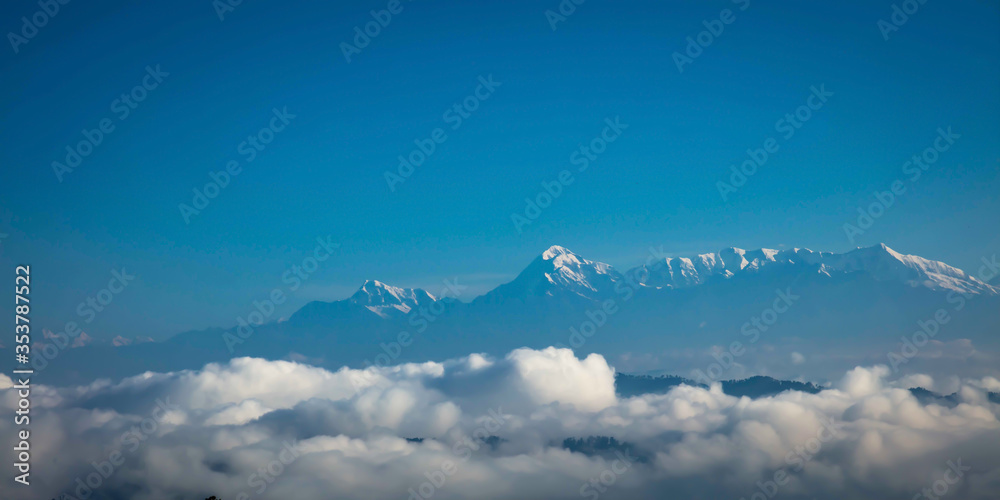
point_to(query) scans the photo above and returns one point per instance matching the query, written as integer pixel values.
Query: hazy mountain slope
(867, 298)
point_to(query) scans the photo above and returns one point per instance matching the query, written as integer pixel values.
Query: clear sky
(324, 171)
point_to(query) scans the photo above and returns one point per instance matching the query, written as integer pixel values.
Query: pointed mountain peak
(733, 258)
(882, 253)
(375, 293)
(558, 271)
(880, 249)
(884, 263)
(556, 251)
(557, 258)
(374, 285)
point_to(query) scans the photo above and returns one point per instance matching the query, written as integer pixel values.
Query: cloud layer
(477, 427)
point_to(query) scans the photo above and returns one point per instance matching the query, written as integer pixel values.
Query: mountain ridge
(863, 299)
(559, 269)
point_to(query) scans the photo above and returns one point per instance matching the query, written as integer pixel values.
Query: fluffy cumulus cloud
(534, 424)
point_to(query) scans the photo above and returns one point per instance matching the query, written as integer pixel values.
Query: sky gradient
(323, 175)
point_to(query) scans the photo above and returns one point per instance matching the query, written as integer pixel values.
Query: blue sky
(323, 174)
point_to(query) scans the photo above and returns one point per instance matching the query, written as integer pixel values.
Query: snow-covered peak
(733, 258)
(558, 270)
(574, 273)
(381, 298)
(556, 251)
(884, 263)
(562, 257)
(879, 261)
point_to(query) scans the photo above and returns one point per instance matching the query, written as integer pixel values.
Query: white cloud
(231, 428)
(798, 358)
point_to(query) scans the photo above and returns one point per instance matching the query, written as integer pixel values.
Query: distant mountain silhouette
(753, 387)
(867, 298)
(627, 385)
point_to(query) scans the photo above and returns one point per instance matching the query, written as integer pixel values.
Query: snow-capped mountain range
(559, 270)
(880, 262)
(386, 300)
(867, 298)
